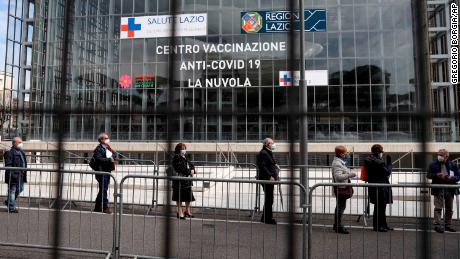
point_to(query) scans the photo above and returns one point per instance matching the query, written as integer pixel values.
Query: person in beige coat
(341, 174)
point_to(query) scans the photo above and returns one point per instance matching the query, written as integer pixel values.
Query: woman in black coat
(379, 172)
(182, 190)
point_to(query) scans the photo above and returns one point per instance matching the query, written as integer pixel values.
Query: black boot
(342, 230)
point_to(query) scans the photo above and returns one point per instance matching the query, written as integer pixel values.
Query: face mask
(107, 141)
(380, 155)
(440, 158)
(183, 152)
(20, 145)
(273, 147)
(345, 158)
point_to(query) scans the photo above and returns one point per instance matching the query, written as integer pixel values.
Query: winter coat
(378, 172)
(267, 165)
(103, 163)
(182, 167)
(340, 172)
(451, 168)
(12, 158)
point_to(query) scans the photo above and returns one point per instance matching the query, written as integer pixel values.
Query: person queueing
(443, 171)
(268, 170)
(15, 179)
(104, 157)
(341, 174)
(182, 190)
(379, 172)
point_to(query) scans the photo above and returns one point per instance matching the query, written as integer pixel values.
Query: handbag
(363, 175)
(344, 192)
(93, 164)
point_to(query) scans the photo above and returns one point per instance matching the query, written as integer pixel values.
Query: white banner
(312, 77)
(160, 26)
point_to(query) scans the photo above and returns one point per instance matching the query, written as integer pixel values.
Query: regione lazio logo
(252, 22)
(285, 78)
(131, 27)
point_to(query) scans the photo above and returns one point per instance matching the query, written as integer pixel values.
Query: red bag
(346, 192)
(363, 175)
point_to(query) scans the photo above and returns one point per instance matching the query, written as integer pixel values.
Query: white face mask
(20, 145)
(273, 147)
(183, 152)
(380, 155)
(107, 141)
(440, 158)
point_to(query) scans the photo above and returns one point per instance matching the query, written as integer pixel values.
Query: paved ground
(210, 238)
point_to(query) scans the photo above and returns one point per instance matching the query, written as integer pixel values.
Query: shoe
(449, 229)
(6, 203)
(98, 210)
(439, 229)
(107, 211)
(179, 216)
(13, 211)
(188, 215)
(381, 230)
(342, 230)
(270, 222)
(389, 229)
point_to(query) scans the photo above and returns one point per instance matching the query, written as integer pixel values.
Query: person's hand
(439, 175)
(352, 175)
(388, 160)
(112, 160)
(272, 178)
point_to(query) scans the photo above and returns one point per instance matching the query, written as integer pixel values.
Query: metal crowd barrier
(212, 170)
(79, 163)
(411, 220)
(220, 229)
(322, 174)
(81, 229)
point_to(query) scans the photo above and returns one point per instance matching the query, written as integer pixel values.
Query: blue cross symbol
(132, 26)
(286, 78)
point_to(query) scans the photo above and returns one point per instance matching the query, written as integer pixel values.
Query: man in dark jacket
(104, 162)
(15, 157)
(443, 171)
(379, 172)
(268, 170)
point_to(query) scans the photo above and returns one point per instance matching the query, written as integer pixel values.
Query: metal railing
(221, 226)
(82, 230)
(190, 238)
(410, 223)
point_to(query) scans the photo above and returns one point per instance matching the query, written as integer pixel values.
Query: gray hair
(102, 134)
(444, 152)
(266, 141)
(16, 139)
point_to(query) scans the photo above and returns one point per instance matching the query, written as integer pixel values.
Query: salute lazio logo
(251, 22)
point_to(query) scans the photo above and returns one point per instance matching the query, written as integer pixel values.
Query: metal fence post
(120, 214)
(116, 234)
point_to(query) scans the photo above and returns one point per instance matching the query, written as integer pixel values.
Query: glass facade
(367, 49)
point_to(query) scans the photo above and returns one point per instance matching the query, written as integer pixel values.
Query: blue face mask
(183, 152)
(345, 159)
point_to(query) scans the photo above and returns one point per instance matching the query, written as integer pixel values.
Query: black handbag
(92, 163)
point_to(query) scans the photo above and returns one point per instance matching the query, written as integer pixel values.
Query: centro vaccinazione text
(222, 64)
